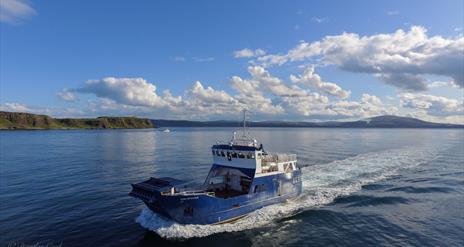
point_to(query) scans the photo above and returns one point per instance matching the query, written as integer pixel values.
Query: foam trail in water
(321, 185)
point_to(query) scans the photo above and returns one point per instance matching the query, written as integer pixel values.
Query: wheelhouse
(237, 163)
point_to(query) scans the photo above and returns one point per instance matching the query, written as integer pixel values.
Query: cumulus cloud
(52, 111)
(128, 91)
(400, 58)
(204, 101)
(432, 105)
(272, 84)
(260, 92)
(368, 106)
(311, 79)
(252, 97)
(209, 95)
(14, 11)
(437, 84)
(312, 104)
(15, 107)
(406, 81)
(67, 95)
(247, 53)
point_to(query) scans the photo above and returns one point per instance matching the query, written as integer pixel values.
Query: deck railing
(190, 193)
(278, 158)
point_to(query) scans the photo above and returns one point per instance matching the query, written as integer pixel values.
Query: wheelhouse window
(241, 156)
(234, 155)
(217, 180)
(250, 156)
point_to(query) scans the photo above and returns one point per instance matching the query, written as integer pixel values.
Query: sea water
(377, 187)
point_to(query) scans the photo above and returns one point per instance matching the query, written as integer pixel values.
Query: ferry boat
(243, 178)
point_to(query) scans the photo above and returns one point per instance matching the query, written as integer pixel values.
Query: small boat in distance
(166, 130)
(243, 178)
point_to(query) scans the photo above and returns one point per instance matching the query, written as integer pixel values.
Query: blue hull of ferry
(210, 209)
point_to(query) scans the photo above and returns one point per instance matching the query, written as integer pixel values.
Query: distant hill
(374, 122)
(19, 120)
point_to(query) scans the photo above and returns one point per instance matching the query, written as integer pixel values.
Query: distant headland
(25, 121)
(22, 121)
(385, 121)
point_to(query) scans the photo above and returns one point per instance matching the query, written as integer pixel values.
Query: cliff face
(19, 120)
(107, 123)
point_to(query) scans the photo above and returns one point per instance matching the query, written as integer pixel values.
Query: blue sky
(90, 58)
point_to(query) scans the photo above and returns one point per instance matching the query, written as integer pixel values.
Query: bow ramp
(148, 190)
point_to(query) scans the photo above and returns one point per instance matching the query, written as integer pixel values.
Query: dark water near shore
(371, 187)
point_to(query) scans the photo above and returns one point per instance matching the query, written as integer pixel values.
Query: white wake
(321, 185)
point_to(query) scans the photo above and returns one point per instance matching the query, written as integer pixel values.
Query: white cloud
(13, 11)
(422, 114)
(368, 106)
(311, 79)
(206, 101)
(308, 105)
(283, 99)
(273, 84)
(406, 81)
(246, 53)
(209, 95)
(15, 107)
(437, 84)
(262, 93)
(129, 91)
(266, 94)
(251, 96)
(67, 95)
(51, 111)
(400, 59)
(432, 105)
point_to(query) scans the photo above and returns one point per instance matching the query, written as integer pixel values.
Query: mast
(244, 122)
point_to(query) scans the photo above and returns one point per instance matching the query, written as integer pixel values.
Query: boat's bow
(153, 188)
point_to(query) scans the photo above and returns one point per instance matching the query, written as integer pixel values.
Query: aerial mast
(244, 122)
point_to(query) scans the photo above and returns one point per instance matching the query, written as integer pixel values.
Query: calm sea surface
(362, 187)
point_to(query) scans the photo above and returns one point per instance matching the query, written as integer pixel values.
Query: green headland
(20, 120)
